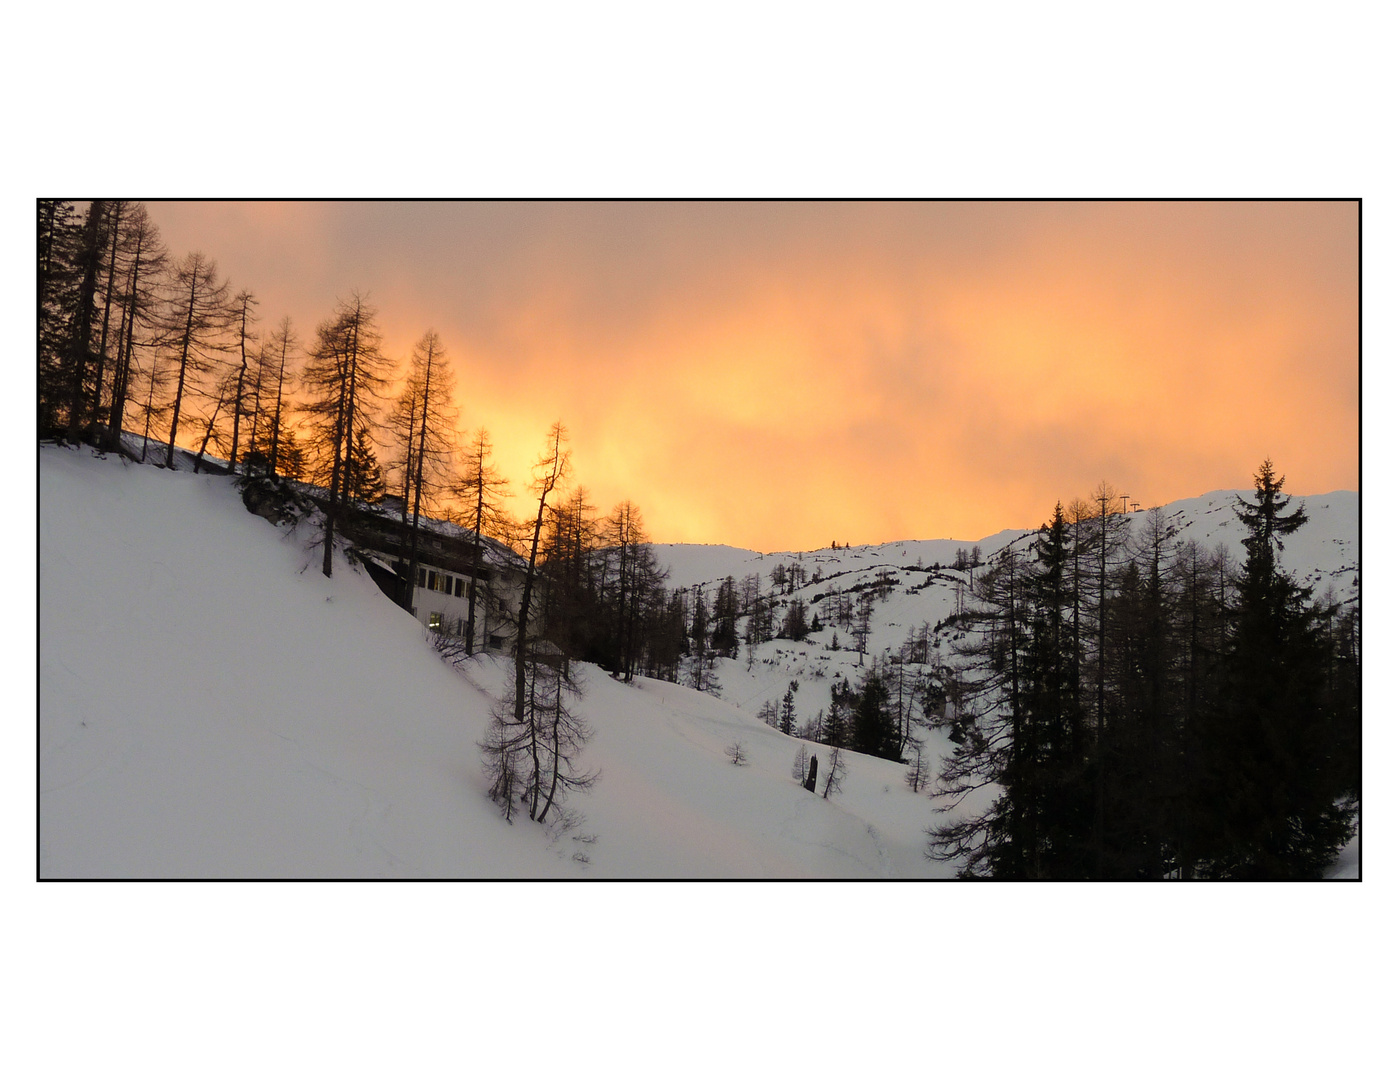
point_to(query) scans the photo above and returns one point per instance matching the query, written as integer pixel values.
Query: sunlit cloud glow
(779, 376)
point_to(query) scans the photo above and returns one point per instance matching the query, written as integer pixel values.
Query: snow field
(211, 706)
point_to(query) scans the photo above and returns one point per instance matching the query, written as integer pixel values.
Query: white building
(448, 558)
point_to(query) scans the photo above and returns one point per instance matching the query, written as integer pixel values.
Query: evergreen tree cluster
(1148, 710)
(603, 595)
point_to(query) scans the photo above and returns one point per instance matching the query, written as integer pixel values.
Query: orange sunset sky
(782, 375)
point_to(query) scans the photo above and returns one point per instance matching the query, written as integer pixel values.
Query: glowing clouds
(782, 375)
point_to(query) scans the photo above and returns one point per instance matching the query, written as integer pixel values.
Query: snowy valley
(211, 706)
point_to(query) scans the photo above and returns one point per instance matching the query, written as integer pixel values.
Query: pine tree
(343, 380)
(565, 734)
(118, 217)
(59, 236)
(242, 406)
(1053, 762)
(665, 638)
(634, 584)
(699, 625)
(862, 622)
(1106, 538)
(199, 319)
(834, 773)
(79, 360)
(551, 468)
(995, 678)
(787, 722)
(874, 730)
(481, 490)
(363, 481)
(837, 719)
(286, 347)
(725, 634)
(1279, 808)
(1147, 682)
(918, 770)
(140, 313)
(702, 661)
(501, 758)
(794, 626)
(1202, 631)
(423, 422)
(571, 613)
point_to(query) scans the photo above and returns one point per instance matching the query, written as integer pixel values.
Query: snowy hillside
(1323, 555)
(1323, 552)
(211, 705)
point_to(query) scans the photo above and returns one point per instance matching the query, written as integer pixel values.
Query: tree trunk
(106, 314)
(417, 479)
(277, 416)
(238, 394)
(557, 717)
(208, 433)
(184, 362)
(344, 435)
(122, 377)
(80, 338)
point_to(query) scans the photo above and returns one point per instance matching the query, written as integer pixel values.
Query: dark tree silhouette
(482, 490)
(196, 330)
(343, 379)
(423, 422)
(1280, 806)
(549, 470)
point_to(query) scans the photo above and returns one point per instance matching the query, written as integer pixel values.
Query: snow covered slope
(211, 706)
(1323, 554)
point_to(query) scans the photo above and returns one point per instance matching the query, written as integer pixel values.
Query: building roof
(380, 527)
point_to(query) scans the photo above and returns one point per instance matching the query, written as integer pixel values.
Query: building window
(434, 621)
(421, 578)
(459, 586)
(496, 641)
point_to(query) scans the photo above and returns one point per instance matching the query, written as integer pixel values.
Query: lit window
(434, 621)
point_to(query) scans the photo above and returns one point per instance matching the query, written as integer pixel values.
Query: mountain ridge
(707, 564)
